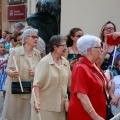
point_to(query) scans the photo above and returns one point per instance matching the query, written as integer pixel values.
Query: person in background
(3, 65)
(73, 53)
(8, 44)
(17, 106)
(4, 35)
(117, 55)
(16, 40)
(18, 26)
(106, 60)
(114, 92)
(51, 80)
(40, 44)
(88, 101)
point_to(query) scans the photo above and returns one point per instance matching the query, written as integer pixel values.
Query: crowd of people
(67, 84)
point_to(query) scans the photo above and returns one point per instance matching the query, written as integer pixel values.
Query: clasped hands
(114, 100)
(16, 74)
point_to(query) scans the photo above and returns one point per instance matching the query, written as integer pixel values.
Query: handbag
(109, 113)
(16, 89)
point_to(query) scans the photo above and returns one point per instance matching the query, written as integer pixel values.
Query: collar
(86, 61)
(51, 61)
(22, 51)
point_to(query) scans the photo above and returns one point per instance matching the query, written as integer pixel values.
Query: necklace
(58, 62)
(74, 51)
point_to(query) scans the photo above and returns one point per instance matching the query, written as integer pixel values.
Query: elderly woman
(88, 101)
(17, 106)
(52, 77)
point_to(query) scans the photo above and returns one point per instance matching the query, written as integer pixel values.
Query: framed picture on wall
(12, 2)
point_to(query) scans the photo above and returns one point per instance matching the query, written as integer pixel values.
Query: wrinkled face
(109, 28)
(97, 51)
(77, 36)
(17, 28)
(31, 40)
(2, 48)
(61, 48)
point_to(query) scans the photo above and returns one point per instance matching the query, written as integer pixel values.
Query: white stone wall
(90, 15)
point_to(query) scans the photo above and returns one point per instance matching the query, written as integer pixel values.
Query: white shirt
(116, 80)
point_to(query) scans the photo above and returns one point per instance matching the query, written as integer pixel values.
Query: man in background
(19, 26)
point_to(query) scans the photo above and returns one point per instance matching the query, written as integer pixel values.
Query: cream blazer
(53, 82)
(23, 66)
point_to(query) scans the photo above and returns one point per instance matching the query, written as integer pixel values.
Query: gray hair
(56, 40)
(27, 33)
(20, 24)
(85, 42)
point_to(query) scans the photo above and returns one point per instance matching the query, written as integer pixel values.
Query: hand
(111, 75)
(105, 48)
(114, 100)
(15, 74)
(5, 61)
(31, 72)
(37, 106)
(115, 35)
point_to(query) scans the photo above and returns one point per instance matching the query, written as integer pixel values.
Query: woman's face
(61, 48)
(77, 35)
(97, 51)
(109, 28)
(19, 40)
(31, 40)
(8, 38)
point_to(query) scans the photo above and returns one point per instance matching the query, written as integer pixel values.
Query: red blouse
(85, 81)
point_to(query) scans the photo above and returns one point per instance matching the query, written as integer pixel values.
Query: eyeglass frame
(65, 46)
(109, 28)
(34, 37)
(98, 47)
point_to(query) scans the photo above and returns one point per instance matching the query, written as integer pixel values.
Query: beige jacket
(22, 64)
(53, 82)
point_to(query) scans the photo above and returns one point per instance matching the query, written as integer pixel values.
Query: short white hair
(27, 33)
(85, 42)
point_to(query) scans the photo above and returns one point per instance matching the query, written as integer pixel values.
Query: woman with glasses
(73, 53)
(51, 80)
(106, 60)
(88, 101)
(17, 106)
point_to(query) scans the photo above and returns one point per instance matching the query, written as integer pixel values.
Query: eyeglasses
(78, 36)
(65, 46)
(98, 47)
(34, 37)
(109, 28)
